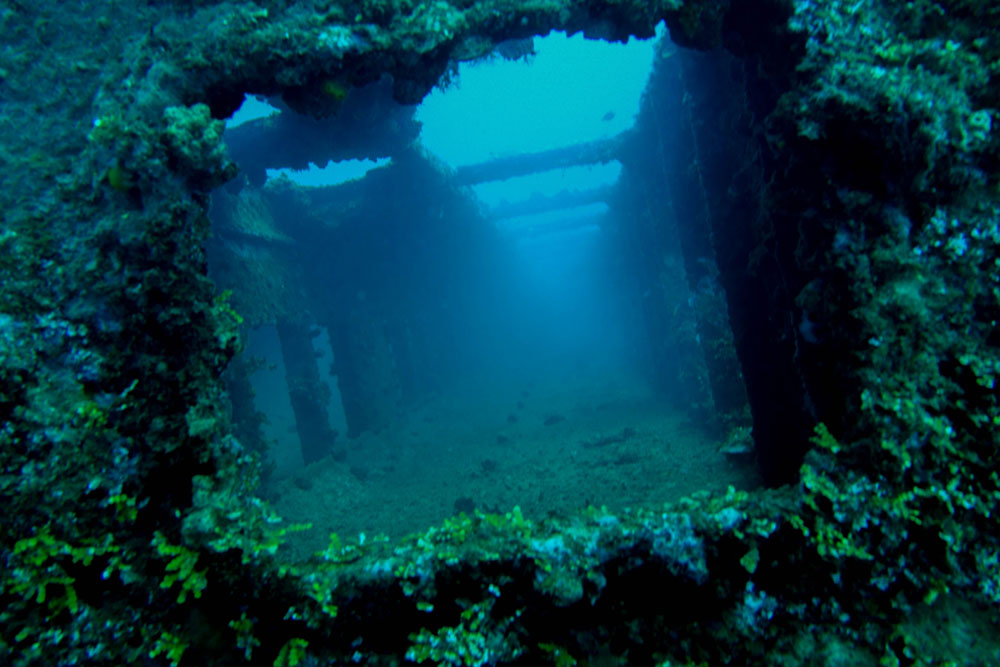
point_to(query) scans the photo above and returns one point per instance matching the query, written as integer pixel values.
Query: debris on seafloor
(626, 456)
(553, 419)
(465, 504)
(738, 446)
(603, 440)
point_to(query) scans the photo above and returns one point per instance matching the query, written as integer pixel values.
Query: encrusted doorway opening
(495, 308)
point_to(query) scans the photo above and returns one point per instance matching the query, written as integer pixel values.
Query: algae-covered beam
(498, 589)
(369, 125)
(601, 151)
(310, 53)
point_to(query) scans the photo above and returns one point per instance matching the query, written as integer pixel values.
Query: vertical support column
(673, 222)
(688, 193)
(410, 359)
(746, 246)
(365, 368)
(309, 396)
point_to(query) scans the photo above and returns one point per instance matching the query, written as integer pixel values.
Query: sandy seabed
(550, 449)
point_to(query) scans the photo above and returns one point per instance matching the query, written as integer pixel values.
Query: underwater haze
(489, 332)
(518, 306)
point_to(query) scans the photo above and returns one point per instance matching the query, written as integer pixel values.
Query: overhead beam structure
(592, 152)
